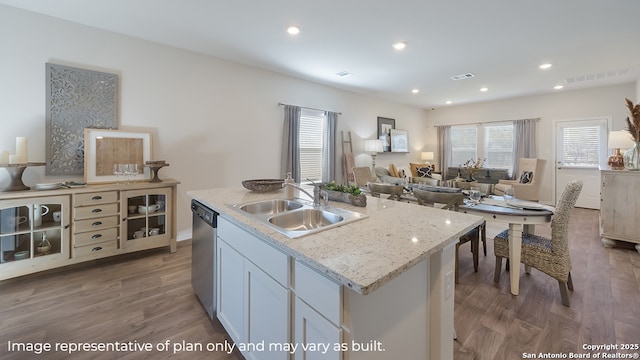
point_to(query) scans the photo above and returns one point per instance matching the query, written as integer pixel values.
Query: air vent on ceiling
(344, 74)
(598, 76)
(462, 76)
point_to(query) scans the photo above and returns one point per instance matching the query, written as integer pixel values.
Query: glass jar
(43, 246)
(632, 157)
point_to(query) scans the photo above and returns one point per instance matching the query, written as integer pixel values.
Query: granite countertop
(362, 255)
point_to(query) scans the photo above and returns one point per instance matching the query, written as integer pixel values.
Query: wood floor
(148, 298)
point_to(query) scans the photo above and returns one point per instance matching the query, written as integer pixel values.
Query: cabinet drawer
(95, 198)
(97, 236)
(95, 224)
(271, 260)
(97, 250)
(320, 292)
(88, 212)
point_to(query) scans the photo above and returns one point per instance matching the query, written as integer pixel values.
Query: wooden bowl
(263, 185)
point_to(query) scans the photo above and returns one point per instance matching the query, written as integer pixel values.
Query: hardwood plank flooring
(147, 297)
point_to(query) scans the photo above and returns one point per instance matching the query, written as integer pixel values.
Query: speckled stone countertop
(362, 255)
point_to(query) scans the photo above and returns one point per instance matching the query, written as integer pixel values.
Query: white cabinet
(253, 295)
(620, 206)
(312, 328)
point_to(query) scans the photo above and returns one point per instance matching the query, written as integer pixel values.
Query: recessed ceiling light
(293, 30)
(484, 89)
(400, 45)
(558, 87)
(415, 91)
(545, 66)
(448, 102)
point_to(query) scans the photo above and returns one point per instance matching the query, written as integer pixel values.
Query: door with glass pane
(581, 146)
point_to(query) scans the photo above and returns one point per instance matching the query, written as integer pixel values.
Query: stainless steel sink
(296, 218)
(305, 219)
(269, 207)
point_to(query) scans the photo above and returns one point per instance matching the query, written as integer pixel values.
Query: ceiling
(501, 42)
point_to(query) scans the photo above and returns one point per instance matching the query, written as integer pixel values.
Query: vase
(632, 157)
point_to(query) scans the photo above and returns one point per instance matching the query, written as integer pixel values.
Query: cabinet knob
(96, 236)
(97, 248)
(96, 223)
(96, 210)
(97, 197)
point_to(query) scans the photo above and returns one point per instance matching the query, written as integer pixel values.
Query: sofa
(483, 175)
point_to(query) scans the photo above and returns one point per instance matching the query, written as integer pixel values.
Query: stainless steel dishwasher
(203, 254)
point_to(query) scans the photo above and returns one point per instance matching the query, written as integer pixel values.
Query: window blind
(311, 130)
(580, 146)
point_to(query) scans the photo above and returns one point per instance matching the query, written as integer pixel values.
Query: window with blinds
(498, 146)
(311, 130)
(464, 141)
(581, 146)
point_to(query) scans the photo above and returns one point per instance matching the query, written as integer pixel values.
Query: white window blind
(464, 142)
(311, 130)
(581, 146)
(498, 146)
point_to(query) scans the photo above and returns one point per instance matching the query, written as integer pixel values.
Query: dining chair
(394, 191)
(550, 256)
(451, 201)
(362, 175)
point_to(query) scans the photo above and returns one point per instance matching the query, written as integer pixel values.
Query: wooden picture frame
(385, 125)
(399, 141)
(104, 148)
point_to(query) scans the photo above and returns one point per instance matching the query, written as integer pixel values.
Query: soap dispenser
(289, 190)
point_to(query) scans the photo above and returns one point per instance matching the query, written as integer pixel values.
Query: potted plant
(632, 156)
(346, 194)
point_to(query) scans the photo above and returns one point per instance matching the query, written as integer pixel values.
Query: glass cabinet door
(147, 218)
(33, 228)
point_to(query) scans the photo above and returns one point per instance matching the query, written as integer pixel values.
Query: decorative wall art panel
(76, 99)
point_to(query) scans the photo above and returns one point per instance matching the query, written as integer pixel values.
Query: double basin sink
(296, 218)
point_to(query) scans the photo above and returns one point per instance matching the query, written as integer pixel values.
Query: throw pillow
(424, 171)
(393, 171)
(526, 177)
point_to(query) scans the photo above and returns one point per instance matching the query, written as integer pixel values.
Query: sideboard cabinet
(619, 207)
(46, 229)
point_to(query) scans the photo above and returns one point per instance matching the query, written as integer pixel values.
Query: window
(582, 145)
(492, 142)
(498, 146)
(311, 134)
(464, 140)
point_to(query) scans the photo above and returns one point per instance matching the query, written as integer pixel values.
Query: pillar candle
(14, 159)
(4, 156)
(21, 149)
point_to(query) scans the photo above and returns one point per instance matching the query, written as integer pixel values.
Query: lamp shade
(426, 155)
(620, 140)
(373, 146)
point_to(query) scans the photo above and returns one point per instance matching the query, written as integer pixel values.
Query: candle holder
(155, 166)
(15, 173)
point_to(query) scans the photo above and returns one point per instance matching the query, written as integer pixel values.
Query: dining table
(520, 215)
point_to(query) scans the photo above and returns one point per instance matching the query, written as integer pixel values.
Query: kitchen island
(377, 288)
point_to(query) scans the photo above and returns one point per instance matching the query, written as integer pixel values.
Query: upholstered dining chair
(394, 191)
(526, 185)
(550, 256)
(451, 201)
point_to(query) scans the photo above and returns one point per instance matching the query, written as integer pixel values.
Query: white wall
(214, 121)
(564, 105)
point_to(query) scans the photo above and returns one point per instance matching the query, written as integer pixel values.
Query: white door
(581, 146)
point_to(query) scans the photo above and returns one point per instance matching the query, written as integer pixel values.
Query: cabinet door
(146, 217)
(267, 304)
(230, 307)
(313, 328)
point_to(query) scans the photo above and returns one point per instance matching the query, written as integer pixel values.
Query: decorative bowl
(263, 185)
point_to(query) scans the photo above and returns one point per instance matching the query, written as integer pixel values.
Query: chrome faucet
(317, 193)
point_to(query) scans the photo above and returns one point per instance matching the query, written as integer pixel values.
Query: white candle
(4, 156)
(14, 159)
(21, 149)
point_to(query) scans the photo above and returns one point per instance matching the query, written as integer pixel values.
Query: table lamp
(617, 140)
(427, 156)
(373, 147)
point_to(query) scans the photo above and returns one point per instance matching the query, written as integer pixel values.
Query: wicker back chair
(551, 256)
(362, 175)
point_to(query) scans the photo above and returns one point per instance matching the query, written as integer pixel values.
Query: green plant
(342, 188)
